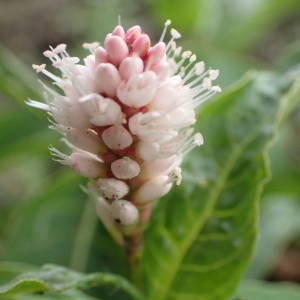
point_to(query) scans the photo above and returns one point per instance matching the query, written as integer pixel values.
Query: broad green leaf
(68, 295)
(258, 290)
(202, 234)
(54, 226)
(56, 279)
(279, 225)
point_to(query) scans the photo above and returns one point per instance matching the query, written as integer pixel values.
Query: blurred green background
(43, 212)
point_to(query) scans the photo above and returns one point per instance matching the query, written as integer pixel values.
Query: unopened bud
(141, 45)
(119, 31)
(86, 165)
(117, 137)
(132, 34)
(116, 49)
(87, 140)
(107, 79)
(101, 56)
(153, 189)
(125, 168)
(112, 189)
(124, 212)
(131, 66)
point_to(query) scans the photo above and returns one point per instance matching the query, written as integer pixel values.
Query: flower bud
(157, 167)
(85, 139)
(125, 168)
(117, 137)
(139, 90)
(101, 56)
(156, 53)
(124, 212)
(152, 189)
(119, 31)
(86, 165)
(131, 66)
(141, 45)
(112, 189)
(116, 49)
(132, 34)
(147, 151)
(107, 79)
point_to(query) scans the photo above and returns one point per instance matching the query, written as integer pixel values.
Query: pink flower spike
(127, 112)
(116, 49)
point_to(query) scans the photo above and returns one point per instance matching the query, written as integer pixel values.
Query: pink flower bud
(100, 56)
(116, 49)
(107, 79)
(141, 45)
(131, 66)
(112, 189)
(157, 167)
(139, 90)
(157, 52)
(86, 165)
(152, 190)
(125, 168)
(124, 212)
(86, 139)
(117, 137)
(147, 151)
(119, 31)
(132, 34)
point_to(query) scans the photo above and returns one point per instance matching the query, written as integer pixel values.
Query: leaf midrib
(214, 195)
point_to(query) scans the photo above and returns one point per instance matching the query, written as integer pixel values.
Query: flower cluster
(127, 114)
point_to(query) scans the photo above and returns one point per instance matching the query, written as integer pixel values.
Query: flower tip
(175, 34)
(60, 48)
(39, 68)
(168, 22)
(214, 74)
(198, 139)
(216, 89)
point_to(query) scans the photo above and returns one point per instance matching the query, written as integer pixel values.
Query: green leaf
(257, 290)
(56, 279)
(52, 227)
(279, 225)
(202, 234)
